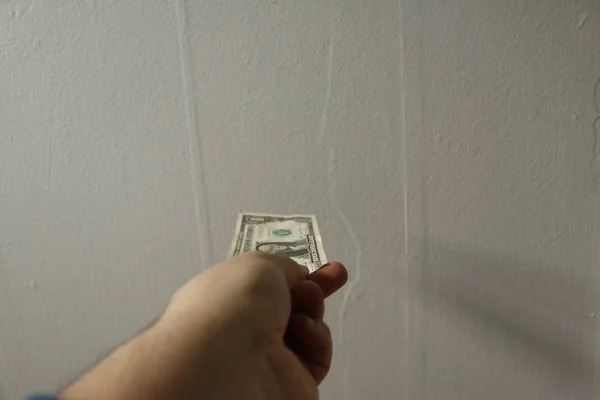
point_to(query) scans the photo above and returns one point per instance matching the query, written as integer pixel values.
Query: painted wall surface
(448, 147)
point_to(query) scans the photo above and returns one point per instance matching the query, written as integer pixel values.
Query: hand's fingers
(311, 341)
(330, 277)
(292, 271)
(308, 298)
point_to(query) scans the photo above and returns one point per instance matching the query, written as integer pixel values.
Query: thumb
(291, 270)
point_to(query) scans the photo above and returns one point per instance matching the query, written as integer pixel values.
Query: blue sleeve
(41, 397)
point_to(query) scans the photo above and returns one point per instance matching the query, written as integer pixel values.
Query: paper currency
(295, 236)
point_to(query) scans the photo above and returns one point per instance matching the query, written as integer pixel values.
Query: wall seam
(194, 142)
(404, 150)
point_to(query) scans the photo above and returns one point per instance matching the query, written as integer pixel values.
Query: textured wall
(449, 148)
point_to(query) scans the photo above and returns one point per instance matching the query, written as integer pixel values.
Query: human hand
(268, 313)
(250, 327)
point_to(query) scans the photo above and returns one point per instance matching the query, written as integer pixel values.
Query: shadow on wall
(541, 311)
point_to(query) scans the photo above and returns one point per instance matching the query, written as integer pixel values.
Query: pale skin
(250, 327)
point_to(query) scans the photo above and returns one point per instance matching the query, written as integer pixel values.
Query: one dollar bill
(294, 236)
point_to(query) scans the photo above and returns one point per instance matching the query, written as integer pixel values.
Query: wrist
(156, 364)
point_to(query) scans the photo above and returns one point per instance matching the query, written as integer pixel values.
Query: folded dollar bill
(294, 236)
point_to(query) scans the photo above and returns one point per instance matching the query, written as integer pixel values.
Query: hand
(250, 327)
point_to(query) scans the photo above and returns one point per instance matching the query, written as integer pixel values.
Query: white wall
(447, 146)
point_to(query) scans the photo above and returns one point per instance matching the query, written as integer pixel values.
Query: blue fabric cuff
(41, 397)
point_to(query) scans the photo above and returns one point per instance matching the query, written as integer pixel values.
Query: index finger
(330, 277)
